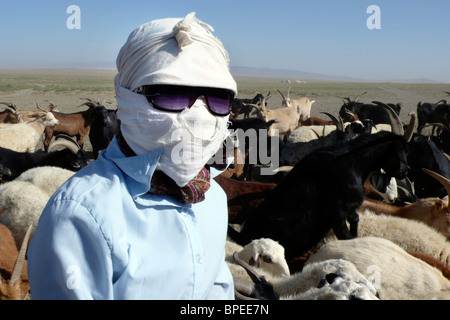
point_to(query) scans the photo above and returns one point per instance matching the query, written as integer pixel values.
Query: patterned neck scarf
(161, 184)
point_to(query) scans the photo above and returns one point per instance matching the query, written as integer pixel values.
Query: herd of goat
(357, 209)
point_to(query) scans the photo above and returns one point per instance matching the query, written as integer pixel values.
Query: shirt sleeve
(69, 257)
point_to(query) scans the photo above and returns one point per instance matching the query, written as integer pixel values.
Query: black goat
(103, 128)
(372, 111)
(19, 162)
(239, 106)
(433, 113)
(322, 192)
(423, 153)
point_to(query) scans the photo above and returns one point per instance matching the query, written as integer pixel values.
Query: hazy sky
(321, 36)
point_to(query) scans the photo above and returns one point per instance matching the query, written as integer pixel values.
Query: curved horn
(284, 98)
(18, 265)
(443, 180)
(357, 97)
(10, 106)
(338, 123)
(396, 123)
(412, 126)
(65, 141)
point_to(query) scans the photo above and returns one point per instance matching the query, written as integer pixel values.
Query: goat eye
(267, 259)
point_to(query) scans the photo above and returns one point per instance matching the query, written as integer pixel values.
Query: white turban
(174, 51)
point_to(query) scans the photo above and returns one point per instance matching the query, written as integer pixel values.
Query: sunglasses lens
(220, 106)
(173, 102)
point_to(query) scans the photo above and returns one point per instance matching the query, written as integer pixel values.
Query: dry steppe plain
(66, 88)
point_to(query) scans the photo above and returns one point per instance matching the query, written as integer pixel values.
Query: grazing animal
(23, 199)
(13, 276)
(434, 212)
(244, 106)
(24, 136)
(302, 105)
(372, 111)
(322, 192)
(11, 114)
(243, 196)
(75, 124)
(397, 274)
(104, 126)
(430, 113)
(19, 162)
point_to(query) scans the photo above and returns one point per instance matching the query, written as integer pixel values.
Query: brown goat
(12, 268)
(75, 124)
(243, 196)
(11, 114)
(434, 212)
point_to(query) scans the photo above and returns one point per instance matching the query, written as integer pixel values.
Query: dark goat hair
(365, 111)
(239, 106)
(103, 128)
(322, 192)
(19, 162)
(433, 113)
(423, 153)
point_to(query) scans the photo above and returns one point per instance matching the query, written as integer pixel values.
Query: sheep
(73, 124)
(17, 287)
(397, 274)
(334, 279)
(303, 207)
(23, 199)
(24, 137)
(411, 235)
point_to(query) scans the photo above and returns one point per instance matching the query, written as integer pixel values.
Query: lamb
(23, 137)
(23, 199)
(397, 274)
(303, 207)
(17, 287)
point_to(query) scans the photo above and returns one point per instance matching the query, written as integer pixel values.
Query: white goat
(24, 136)
(397, 275)
(23, 199)
(286, 118)
(303, 104)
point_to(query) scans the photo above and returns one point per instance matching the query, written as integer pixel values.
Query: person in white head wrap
(145, 220)
(170, 52)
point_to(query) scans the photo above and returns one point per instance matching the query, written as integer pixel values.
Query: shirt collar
(138, 171)
(138, 168)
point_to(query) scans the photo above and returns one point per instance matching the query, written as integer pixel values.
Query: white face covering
(188, 139)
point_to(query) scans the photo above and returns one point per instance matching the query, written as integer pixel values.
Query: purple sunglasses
(177, 98)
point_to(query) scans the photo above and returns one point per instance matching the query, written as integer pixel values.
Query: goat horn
(412, 126)
(39, 108)
(339, 124)
(284, 98)
(443, 180)
(18, 265)
(396, 123)
(10, 106)
(357, 97)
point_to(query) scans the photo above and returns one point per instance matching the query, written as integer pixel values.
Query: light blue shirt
(102, 236)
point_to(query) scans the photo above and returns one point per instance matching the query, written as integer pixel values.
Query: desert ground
(66, 88)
